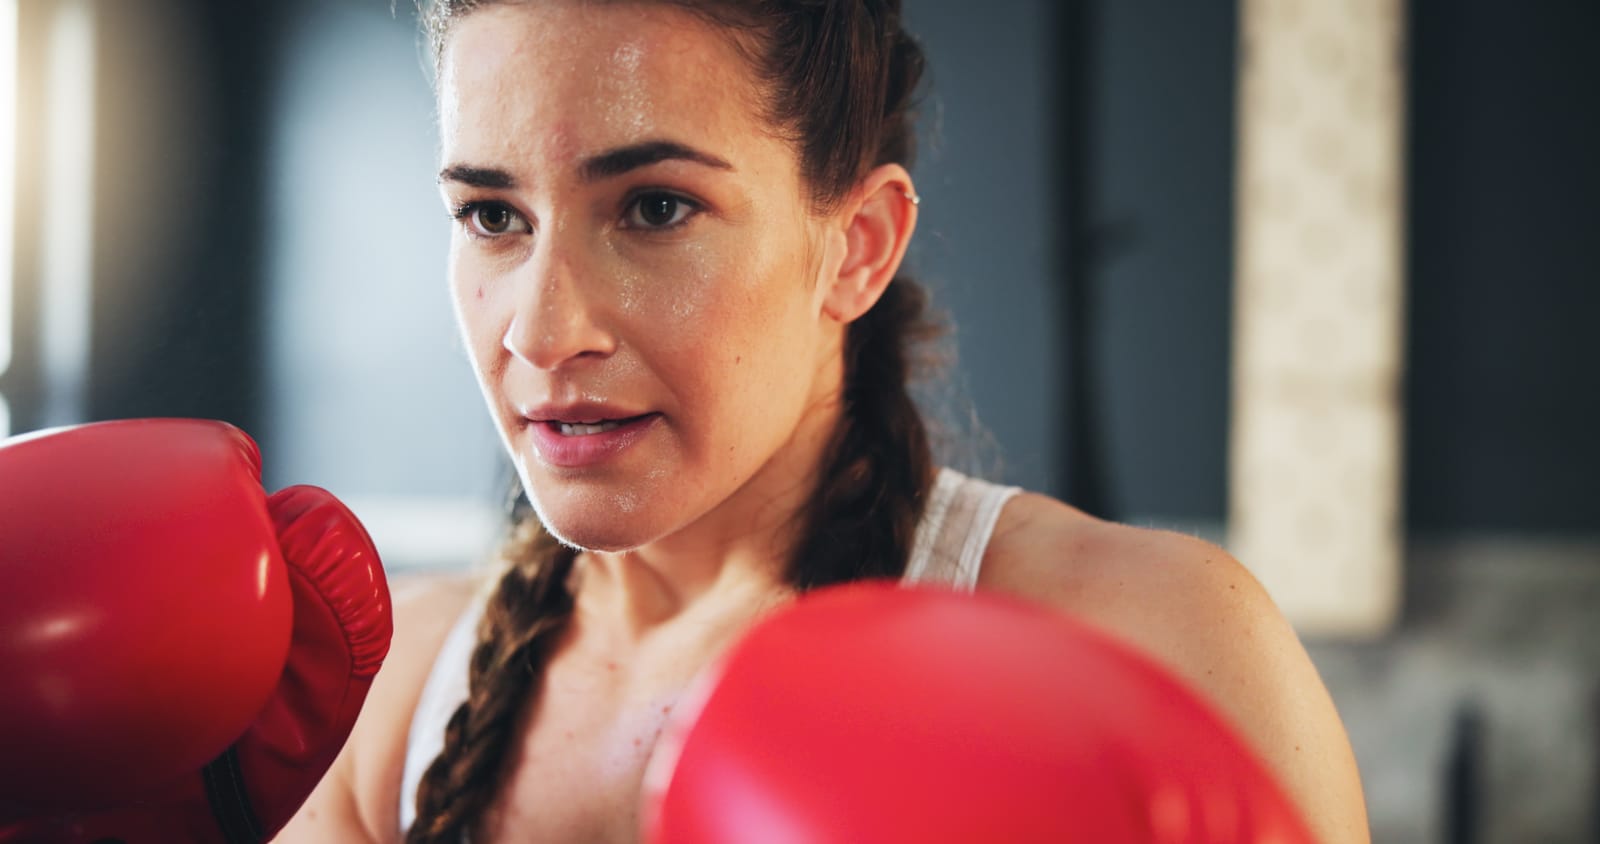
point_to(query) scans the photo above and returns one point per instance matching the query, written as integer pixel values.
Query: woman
(677, 232)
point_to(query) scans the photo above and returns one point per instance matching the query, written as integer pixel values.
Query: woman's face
(633, 263)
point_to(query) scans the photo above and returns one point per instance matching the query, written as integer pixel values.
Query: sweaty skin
(704, 322)
(633, 239)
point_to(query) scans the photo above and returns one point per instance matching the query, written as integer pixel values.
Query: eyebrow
(622, 159)
(605, 165)
(477, 177)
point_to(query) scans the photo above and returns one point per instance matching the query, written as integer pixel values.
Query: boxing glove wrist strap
(230, 803)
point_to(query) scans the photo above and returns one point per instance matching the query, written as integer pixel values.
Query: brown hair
(839, 75)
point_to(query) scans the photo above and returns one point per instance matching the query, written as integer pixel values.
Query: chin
(612, 526)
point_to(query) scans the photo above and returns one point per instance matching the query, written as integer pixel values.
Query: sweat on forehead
(558, 80)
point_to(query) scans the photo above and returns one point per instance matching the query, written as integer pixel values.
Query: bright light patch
(67, 214)
(8, 185)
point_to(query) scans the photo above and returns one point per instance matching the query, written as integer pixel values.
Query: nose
(556, 319)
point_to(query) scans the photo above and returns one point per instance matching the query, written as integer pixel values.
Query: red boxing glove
(877, 713)
(184, 655)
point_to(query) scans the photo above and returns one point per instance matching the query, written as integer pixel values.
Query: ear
(877, 221)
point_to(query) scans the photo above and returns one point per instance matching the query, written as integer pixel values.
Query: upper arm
(1221, 632)
(358, 799)
(1197, 611)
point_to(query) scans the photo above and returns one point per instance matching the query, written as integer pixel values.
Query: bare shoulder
(1148, 585)
(359, 797)
(1194, 608)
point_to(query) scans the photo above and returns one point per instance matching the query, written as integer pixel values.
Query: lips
(583, 436)
(580, 413)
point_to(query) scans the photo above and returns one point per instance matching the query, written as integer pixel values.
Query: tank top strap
(955, 529)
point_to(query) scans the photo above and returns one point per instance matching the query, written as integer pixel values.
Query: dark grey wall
(1079, 157)
(1157, 82)
(1503, 393)
(987, 241)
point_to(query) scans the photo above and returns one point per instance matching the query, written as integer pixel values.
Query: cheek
(713, 306)
(477, 310)
(727, 327)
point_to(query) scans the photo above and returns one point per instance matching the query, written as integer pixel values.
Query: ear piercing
(911, 195)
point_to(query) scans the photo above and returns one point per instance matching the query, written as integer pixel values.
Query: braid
(521, 624)
(862, 518)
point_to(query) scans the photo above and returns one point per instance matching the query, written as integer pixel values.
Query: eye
(658, 210)
(491, 219)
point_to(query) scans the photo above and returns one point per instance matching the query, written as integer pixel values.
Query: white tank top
(948, 550)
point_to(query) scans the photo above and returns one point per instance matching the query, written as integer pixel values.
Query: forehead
(544, 83)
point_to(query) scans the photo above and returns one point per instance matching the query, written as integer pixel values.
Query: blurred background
(1315, 279)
